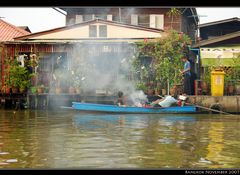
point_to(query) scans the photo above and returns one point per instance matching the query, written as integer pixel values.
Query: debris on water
(4, 153)
(143, 67)
(83, 78)
(123, 60)
(202, 160)
(11, 160)
(1, 143)
(72, 72)
(54, 77)
(3, 163)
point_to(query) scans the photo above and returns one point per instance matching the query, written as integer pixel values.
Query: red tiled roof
(9, 31)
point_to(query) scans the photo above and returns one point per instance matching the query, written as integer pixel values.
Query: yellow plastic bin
(217, 82)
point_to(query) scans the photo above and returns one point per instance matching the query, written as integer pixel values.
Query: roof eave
(217, 39)
(88, 22)
(219, 22)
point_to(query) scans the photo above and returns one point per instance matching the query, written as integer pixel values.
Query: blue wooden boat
(129, 109)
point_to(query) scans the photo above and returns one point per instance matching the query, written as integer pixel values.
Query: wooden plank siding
(10, 50)
(183, 23)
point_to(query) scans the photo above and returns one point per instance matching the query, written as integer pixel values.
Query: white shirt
(167, 102)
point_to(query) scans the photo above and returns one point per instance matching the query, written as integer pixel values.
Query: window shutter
(102, 31)
(109, 17)
(152, 21)
(159, 21)
(92, 31)
(134, 19)
(79, 19)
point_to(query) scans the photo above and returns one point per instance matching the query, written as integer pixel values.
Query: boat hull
(138, 110)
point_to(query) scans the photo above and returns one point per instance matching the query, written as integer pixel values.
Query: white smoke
(100, 67)
(138, 98)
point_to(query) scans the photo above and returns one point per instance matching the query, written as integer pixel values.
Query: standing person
(187, 76)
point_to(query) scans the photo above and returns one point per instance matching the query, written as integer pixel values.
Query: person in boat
(120, 100)
(169, 100)
(166, 101)
(152, 97)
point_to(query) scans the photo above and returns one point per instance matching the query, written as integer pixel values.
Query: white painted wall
(112, 32)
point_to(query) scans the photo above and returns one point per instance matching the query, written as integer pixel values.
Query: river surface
(70, 139)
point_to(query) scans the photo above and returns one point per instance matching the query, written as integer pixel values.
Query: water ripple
(61, 139)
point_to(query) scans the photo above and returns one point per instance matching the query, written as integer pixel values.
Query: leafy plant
(76, 78)
(236, 67)
(17, 76)
(141, 86)
(206, 76)
(165, 54)
(173, 12)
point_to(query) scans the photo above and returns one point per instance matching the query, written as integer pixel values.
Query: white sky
(215, 14)
(37, 19)
(40, 19)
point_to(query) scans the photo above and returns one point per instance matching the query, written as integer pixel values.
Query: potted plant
(70, 79)
(77, 80)
(18, 77)
(24, 85)
(165, 53)
(46, 89)
(236, 72)
(40, 89)
(57, 81)
(33, 89)
(206, 80)
(230, 87)
(6, 89)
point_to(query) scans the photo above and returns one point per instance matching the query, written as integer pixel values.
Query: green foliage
(17, 76)
(236, 69)
(232, 74)
(141, 86)
(166, 56)
(206, 75)
(75, 78)
(174, 12)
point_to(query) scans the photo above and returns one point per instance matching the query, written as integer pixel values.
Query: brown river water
(70, 139)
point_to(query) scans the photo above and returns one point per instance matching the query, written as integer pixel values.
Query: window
(115, 18)
(92, 31)
(144, 20)
(123, 19)
(159, 20)
(79, 19)
(101, 17)
(134, 19)
(102, 31)
(87, 17)
(109, 17)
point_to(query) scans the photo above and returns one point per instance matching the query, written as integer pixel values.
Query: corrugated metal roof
(216, 39)
(219, 22)
(25, 28)
(9, 31)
